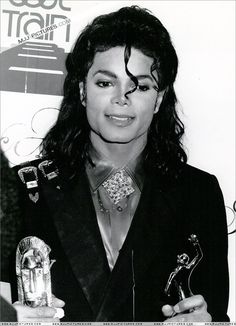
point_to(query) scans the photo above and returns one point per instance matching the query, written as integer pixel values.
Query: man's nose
(121, 97)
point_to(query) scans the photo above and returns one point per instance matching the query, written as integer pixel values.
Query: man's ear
(158, 101)
(82, 93)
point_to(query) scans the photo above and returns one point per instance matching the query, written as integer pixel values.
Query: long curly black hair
(67, 142)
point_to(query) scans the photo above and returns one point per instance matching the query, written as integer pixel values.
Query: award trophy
(179, 279)
(33, 272)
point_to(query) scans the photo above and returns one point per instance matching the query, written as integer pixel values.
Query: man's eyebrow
(105, 72)
(113, 75)
(144, 77)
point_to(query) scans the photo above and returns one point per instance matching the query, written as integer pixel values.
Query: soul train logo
(33, 66)
(45, 4)
(22, 20)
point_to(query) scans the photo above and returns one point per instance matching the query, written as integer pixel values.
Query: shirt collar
(99, 168)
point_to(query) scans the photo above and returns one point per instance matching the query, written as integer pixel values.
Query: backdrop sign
(32, 61)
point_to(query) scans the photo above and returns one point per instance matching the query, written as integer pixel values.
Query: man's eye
(103, 84)
(143, 88)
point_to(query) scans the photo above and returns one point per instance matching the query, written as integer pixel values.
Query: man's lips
(120, 117)
(120, 120)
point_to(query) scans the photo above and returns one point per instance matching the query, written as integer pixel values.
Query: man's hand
(40, 314)
(192, 309)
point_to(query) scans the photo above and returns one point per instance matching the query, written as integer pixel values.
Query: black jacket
(168, 212)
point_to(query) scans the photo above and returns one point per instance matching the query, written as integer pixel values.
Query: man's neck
(118, 154)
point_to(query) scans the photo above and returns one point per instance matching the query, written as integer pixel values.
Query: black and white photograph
(117, 162)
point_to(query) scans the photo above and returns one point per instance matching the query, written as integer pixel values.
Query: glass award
(179, 279)
(33, 272)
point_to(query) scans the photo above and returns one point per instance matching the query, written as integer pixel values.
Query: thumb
(167, 310)
(57, 303)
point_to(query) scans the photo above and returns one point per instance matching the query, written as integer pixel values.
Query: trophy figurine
(179, 279)
(33, 272)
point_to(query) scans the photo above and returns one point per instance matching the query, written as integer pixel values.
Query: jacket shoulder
(193, 172)
(196, 178)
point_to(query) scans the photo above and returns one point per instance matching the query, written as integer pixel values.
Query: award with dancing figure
(179, 279)
(33, 272)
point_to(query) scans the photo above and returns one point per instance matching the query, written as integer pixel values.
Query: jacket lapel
(75, 220)
(153, 222)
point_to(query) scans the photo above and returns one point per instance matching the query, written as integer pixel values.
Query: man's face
(114, 118)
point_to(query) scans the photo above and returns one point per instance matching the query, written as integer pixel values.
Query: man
(122, 201)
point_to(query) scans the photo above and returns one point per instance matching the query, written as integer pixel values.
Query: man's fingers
(194, 302)
(45, 312)
(192, 309)
(38, 312)
(17, 303)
